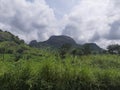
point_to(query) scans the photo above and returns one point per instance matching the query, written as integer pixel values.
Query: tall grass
(100, 72)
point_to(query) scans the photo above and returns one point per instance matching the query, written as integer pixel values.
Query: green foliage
(86, 49)
(7, 36)
(77, 52)
(64, 49)
(100, 72)
(114, 49)
(26, 68)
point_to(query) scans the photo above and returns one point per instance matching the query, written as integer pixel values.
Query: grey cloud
(95, 21)
(114, 33)
(88, 21)
(95, 37)
(29, 19)
(62, 7)
(70, 30)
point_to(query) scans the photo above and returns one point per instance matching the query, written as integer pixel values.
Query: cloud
(29, 19)
(84, 20)
(61, 7)
(94, 21)
(114, 33)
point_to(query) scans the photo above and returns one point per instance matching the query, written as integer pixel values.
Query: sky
(86, 21)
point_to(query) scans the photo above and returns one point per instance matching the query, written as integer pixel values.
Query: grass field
(92, 72)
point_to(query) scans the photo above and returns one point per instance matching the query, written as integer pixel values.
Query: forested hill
(7, 36)
(59, 41)
(54, 41)
(13, 49)
(13, 43)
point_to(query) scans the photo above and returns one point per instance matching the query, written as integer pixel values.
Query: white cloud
(92, 21)
(28, 19)
(61, 7)
(87, 21)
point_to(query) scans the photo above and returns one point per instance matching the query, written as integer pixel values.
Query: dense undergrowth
(49, 72)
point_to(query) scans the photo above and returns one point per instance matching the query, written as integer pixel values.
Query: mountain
(54, 41)
(13, 44)
(58, 41)
(93, 47)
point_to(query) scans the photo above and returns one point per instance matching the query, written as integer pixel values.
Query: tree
(64, 49)
(114, 49)
(17, 56)
(3, 49)
(86, 49)
(2, 52)
(77, 52)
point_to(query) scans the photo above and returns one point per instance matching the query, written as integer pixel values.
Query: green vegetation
(51, 73)
(26, 68)
(114, 49)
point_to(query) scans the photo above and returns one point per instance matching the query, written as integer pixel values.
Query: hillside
(7, 36)
(54, 41)
(59, 41)
(13, 49)
(26, 68)
(93, 47)
(12, 44)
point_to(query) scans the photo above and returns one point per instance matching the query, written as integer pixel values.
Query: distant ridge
(54, 41)
(58, 41)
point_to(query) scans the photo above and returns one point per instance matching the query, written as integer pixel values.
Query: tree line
(79, 51)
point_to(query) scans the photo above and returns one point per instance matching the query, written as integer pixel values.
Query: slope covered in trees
(14, 49)
(56, 42)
